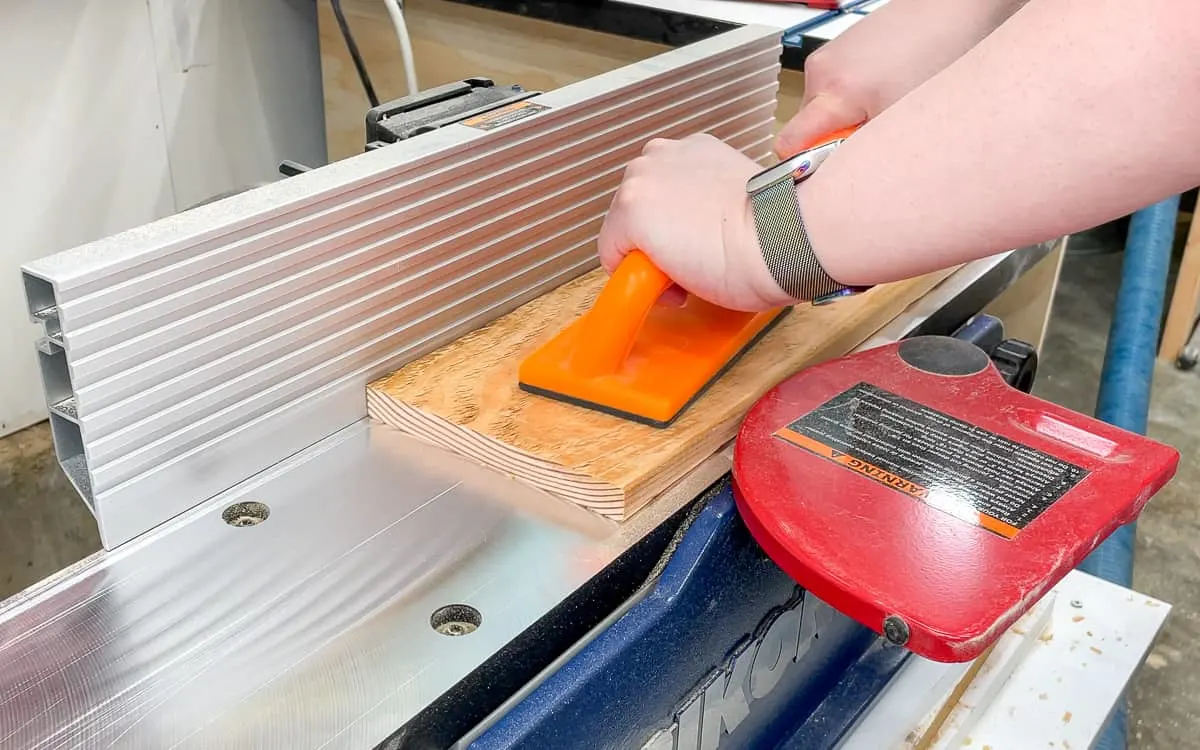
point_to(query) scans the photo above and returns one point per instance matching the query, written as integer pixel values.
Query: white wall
(117, 112)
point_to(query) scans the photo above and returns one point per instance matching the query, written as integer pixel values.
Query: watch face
(795, 168)
(772, 175)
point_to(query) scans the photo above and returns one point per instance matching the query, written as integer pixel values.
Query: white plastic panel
(105, 126)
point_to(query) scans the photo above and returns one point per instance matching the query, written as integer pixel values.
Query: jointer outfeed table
(282, 571)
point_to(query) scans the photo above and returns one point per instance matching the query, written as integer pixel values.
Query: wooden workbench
(452, 41)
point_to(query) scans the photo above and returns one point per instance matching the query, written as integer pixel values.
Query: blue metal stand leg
(1126, 379)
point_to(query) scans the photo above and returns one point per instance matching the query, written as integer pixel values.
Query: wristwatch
(781, 233)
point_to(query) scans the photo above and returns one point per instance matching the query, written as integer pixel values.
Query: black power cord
(352, 46)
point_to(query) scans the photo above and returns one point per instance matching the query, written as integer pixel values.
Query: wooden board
(464, 397)
(1185, 299)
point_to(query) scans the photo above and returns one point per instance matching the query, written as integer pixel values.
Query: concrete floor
(43, 527)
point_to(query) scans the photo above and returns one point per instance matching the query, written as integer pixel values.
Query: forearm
(1072, 113)
(908, 41)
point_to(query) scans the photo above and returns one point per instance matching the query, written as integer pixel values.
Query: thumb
(823, 115)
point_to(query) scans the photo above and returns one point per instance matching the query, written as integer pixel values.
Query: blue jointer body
(725, 650)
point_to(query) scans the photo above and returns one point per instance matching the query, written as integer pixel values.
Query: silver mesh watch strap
(785, 245)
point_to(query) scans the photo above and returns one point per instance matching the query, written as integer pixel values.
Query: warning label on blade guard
(968, 472)
(504, 115)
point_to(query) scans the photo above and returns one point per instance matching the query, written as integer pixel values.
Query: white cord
(410, 71)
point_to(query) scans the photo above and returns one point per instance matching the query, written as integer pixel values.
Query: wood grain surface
(465, 398)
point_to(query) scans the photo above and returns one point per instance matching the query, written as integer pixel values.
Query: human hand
(683, 203)
(862, 72)
(834, 98)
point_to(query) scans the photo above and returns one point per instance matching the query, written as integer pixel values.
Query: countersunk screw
(245, 514)
(456, 620)
(895, 630)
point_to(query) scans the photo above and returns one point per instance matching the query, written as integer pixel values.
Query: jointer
(280, 570)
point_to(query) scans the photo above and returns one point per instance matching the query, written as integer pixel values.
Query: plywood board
(465, 398)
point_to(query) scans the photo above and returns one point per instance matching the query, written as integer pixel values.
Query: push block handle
(611, 326)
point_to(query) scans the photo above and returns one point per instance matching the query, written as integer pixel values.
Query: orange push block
(638, 360)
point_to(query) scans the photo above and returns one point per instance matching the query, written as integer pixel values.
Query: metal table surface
(313, 628)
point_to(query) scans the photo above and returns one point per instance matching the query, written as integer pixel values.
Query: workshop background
(46, 527)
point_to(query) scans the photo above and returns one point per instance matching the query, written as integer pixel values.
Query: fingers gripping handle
(611, 327)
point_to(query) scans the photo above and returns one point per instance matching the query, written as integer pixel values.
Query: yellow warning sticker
(509, 113)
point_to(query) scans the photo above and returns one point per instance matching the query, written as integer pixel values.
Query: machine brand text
(725, 698)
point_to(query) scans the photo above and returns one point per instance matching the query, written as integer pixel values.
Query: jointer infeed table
(281, 572)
